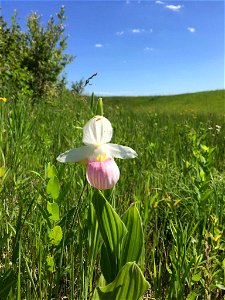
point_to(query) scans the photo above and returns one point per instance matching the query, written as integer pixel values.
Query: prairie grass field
(177, 183)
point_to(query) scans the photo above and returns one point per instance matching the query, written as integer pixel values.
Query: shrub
(32, 61)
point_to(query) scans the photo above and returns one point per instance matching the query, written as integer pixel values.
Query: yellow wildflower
(3, 99)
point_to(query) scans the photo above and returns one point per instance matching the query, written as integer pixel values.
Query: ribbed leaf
(134, 240)
(109, 264)
(128, 284)
(94, 237)
(112, 230)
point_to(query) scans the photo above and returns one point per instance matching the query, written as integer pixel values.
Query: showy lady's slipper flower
(102, 171)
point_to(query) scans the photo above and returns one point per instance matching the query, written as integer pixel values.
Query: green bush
(31, 62)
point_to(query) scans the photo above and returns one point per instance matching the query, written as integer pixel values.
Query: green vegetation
(210, 102)
(177, 184)
(32, 61)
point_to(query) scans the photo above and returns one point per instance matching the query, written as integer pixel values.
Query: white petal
(97, 131)
(119, 151)
(75, 155)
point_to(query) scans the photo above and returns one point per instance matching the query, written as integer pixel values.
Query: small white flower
(218, 127)
(102, 171)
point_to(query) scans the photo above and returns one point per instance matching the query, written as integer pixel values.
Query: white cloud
(98, 45)
(174, 7)
(191, 29)
(148, 49)
(120, 32)
(136, 30)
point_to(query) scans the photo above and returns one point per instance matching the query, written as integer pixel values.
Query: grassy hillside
(201, 102)
(177, 183)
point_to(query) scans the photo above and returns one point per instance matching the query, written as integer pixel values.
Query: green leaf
(220, 286)
(99, 108)
(53, 187)
(134, 240)
(112, 230)
(191, 296)
(94, 243)
(51, 171)
(2, 171)
(202, 174)
(44, 213)
(18, 228)
(7, 281)
(197, 277)
(55, 235)
(50, 263)
(168, 269)
(109, 264)
(223, 263)
(53, 210)
(128, 284)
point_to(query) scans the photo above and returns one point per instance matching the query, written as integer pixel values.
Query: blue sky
(139, 47)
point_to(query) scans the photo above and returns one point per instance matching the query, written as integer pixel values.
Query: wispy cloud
(148, 49)
(98, 45)
(174, 7)
(137, 30)
(191, 29)
(120, 32)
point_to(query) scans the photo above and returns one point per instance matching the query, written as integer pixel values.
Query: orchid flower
(102, 171)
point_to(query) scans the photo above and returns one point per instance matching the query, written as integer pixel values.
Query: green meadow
(177, 184)
(210, 102)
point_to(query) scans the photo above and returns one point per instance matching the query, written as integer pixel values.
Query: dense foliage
(32, 61)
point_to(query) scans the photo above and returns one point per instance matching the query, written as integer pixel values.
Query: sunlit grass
(176, 183)
(193, 103)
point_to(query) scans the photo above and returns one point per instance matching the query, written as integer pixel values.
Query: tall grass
(177, 183)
